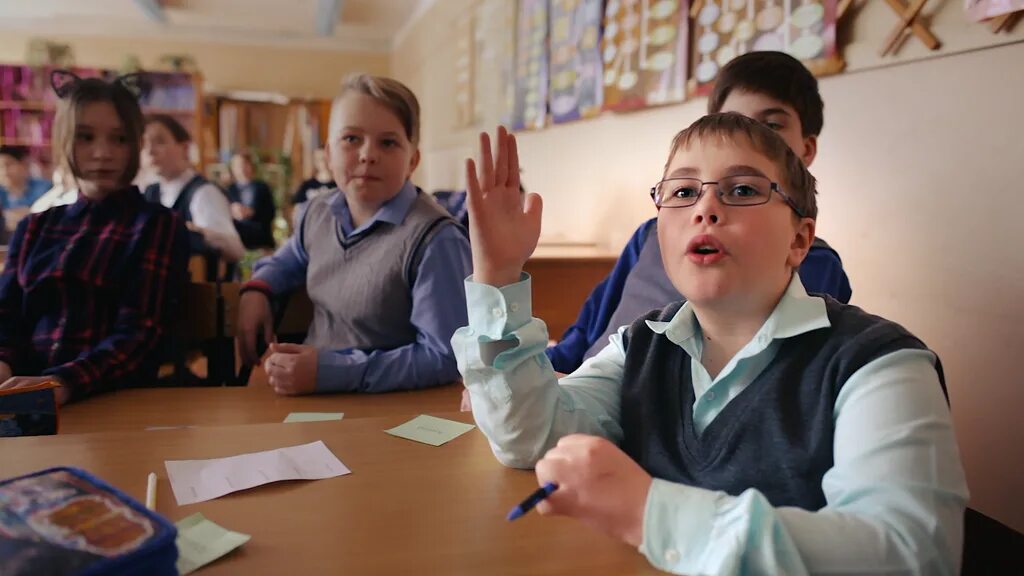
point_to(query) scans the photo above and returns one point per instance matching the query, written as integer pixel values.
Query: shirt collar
(795, 314)
(393, 211)
(126, 196)
(175, 185)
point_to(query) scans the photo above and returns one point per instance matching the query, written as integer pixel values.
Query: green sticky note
(201, 542)
(313, 416)
(430, 430)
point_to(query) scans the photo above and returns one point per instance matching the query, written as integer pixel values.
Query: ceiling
(361, 25)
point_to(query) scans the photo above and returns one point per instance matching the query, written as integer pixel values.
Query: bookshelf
(28, 105)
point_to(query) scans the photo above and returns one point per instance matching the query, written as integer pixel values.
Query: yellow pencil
(151, 491)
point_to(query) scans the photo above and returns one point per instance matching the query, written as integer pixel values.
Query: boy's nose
(708, 209)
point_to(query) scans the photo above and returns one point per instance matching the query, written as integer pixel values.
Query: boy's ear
(802, 241)
(415, 162)
(810, 150)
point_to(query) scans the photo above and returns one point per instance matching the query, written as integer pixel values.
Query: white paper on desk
(200, 480)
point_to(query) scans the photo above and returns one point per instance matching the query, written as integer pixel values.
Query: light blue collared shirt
(438, 306)
(895, 494)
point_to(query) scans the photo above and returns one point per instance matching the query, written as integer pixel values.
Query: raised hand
(503, 226)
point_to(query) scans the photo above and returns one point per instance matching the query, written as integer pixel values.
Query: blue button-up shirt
(895, 495)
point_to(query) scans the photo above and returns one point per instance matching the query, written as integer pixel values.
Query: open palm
(503, 227)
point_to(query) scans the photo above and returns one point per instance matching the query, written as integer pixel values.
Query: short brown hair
(88, 91)
(774, 74)
(394, 95)
(178, 132)
(735, 128)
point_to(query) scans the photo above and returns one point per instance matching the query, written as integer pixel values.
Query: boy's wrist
(497, 278)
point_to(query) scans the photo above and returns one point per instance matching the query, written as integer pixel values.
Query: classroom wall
(920, 168)
(294, 72)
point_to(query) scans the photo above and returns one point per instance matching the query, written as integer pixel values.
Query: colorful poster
(724, 29)
(979, 10)
(530, 108)
(576, 68)
(645, 53)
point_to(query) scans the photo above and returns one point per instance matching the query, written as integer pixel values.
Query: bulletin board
(645, 49)
(531, 66)
(575, 89)
(724, 29)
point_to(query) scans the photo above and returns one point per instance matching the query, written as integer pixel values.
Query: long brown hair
(87, 91)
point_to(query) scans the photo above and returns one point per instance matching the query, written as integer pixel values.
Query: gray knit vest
(777, 435)
(361, 288)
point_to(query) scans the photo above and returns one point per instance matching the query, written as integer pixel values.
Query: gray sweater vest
(777, 435)
(361, 288)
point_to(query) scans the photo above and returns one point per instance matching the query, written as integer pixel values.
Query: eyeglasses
(731, 191)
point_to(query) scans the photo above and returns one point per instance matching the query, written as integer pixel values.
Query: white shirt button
(514, 307)
(672, 556)
(497, 312)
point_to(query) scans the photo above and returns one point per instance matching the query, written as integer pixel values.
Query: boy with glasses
(753, 429)
(777, 90)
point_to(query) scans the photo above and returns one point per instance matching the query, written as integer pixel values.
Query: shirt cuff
(495, 313)
(677, 526)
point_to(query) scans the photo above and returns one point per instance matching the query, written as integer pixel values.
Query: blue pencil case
(31, 411)
(64, 521)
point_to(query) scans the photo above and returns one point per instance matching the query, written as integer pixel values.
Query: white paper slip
(200, 480)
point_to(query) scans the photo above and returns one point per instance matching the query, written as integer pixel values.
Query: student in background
(754, 429)
(319, 184)
(771, 87)
(202, 205)
(86, 292)
(252, 204)
(18, 188)
(383, 263)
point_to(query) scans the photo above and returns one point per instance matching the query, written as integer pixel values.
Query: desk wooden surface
(140, 408)
(406, 508)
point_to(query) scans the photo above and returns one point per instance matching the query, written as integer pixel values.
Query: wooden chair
(205, 325)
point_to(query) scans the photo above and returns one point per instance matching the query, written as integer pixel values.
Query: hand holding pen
(592, 480)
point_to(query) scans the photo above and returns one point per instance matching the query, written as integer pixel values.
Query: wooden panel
(407, 508)
(562, 284)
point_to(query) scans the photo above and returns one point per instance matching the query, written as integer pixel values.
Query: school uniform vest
(647, 288)
(777, 435)
(182, 205)
(361, 287)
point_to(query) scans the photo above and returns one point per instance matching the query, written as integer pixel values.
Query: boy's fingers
(501, 162)
(513, 163)
(486, 163)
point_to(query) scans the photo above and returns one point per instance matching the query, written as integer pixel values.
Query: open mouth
(705, 249)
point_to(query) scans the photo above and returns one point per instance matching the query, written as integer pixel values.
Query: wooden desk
(563, 278)
(407, 508)
(139, 408)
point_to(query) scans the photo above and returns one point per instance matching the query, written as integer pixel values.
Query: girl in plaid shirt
(84, 294)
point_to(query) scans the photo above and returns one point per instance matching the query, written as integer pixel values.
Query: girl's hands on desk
(503, 228)
(291, 369)
(597, 484)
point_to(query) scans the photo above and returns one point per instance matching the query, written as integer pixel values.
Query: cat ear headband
(64, 82)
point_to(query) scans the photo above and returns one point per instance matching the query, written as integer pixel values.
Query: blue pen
(532, 500)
